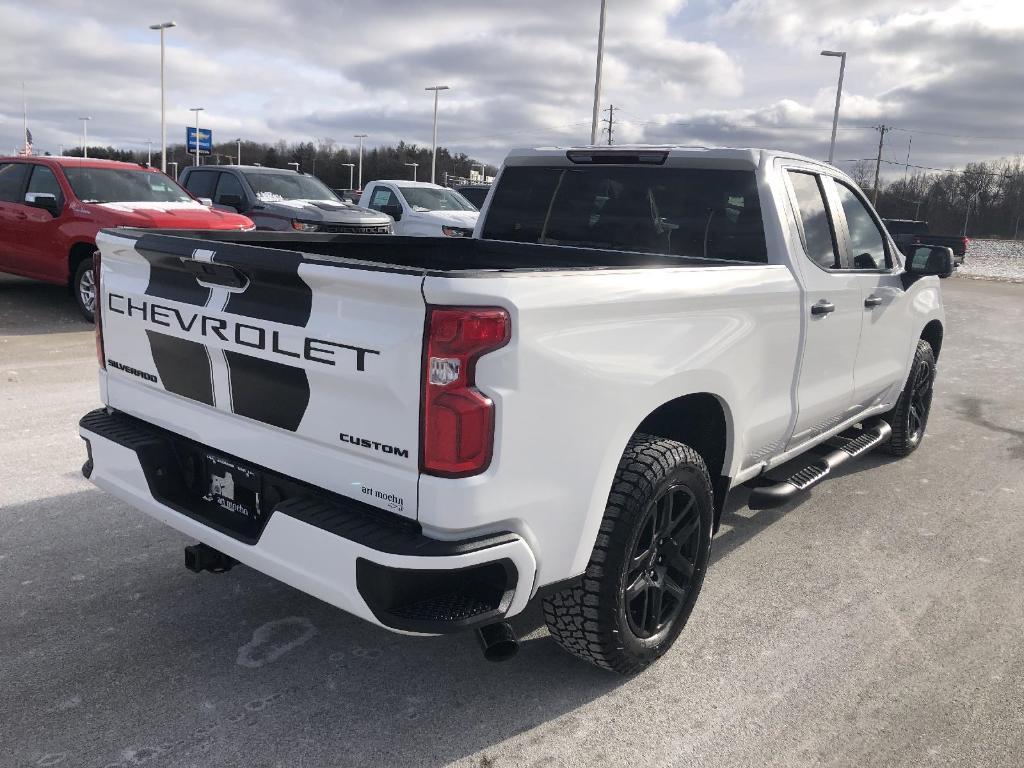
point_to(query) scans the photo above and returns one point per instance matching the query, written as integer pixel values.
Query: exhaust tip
(498, 641)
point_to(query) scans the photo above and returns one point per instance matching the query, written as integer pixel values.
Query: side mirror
(925, 260)
(394, 211)
(235, 201)
(44, 200)
(205, 201)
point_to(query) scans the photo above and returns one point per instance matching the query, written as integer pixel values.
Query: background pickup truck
(430, 432)
(281, 199)
(908, 234)
(52, 207)
(422, 209)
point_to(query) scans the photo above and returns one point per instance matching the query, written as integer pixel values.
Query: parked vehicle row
(52, 207)
(431, 433)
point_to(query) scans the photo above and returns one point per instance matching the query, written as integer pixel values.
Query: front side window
(43, 181)
(202, 183)
(689, 212)
(381, 198)
(229, 187)
(819, 240)
(430, 199)
(117, 185)
(867, 244)
(12, 180)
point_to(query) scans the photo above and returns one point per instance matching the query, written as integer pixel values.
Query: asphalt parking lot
(879, 621)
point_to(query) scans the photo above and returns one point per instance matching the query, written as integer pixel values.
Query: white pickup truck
(429, 433)
(421, 209)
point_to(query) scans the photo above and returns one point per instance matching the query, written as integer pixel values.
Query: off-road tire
(910, 416)
(590, 620)
(82, 280)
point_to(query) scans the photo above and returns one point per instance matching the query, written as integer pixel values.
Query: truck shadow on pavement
(28, 307)
(145, 660)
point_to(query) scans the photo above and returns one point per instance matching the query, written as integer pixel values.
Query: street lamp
(841, 55)
(351, 170)
(597, 76)
(85, 135)
(239, 142)
(414, 166)
(296, 166)
(175, 170)
(163, 120)
(360, 136)
(433, 145)
(197, 110)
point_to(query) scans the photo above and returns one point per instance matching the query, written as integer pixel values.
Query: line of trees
(983, 200)
(322, 158)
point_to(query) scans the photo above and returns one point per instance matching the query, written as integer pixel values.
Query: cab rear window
(689, 212)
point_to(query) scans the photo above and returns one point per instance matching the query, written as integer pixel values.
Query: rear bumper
(376, 566)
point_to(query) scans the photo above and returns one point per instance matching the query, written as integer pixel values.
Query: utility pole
(597, 75)
(360, 136)
(610, 121)
(878, 163)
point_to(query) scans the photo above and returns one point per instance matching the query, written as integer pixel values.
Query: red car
(52, 207)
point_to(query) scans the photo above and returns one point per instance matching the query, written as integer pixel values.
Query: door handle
(872, 301)
(823, 307)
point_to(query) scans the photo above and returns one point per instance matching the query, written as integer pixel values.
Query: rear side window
(12, 181)
(698, 212)
(819, 240)
(201, 183)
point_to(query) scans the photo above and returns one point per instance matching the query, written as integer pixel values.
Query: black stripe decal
(275, 293)
(273, 393)
(184, 366)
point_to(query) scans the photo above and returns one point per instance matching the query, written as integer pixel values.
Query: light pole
(360, 136)
(841, 55)
(433, 145)
(149, 158)
(163, 114)
(197, 110)
(85, 135)
(597, 76)
(239, 142)
(414, 166)
(351, 170)
(296, 166)
(175, 170)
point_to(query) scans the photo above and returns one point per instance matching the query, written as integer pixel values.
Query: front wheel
(83, 286)
(910, 416)
(648, 562)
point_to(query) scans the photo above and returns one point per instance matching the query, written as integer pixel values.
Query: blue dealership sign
(205, 140)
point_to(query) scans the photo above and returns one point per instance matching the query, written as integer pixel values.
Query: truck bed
(428, 255)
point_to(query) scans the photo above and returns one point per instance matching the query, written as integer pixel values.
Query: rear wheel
(83, 286)
(910, 416)
(648, 563)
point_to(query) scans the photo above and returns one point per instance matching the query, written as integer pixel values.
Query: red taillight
(457, 436)
(96, 311)
(966, 242)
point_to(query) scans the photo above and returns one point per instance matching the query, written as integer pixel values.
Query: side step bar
(770, 496)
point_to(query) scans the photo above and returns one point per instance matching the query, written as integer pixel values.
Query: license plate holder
(233, 495)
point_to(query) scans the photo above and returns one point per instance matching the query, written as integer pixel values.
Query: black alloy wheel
(662, 563)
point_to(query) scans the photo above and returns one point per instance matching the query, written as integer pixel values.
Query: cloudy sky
(736, 72)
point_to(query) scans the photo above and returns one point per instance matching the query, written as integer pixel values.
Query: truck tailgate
(300, 364)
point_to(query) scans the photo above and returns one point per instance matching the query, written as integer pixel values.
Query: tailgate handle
(217, 275)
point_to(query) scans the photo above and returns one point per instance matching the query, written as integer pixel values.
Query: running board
(770, 496)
